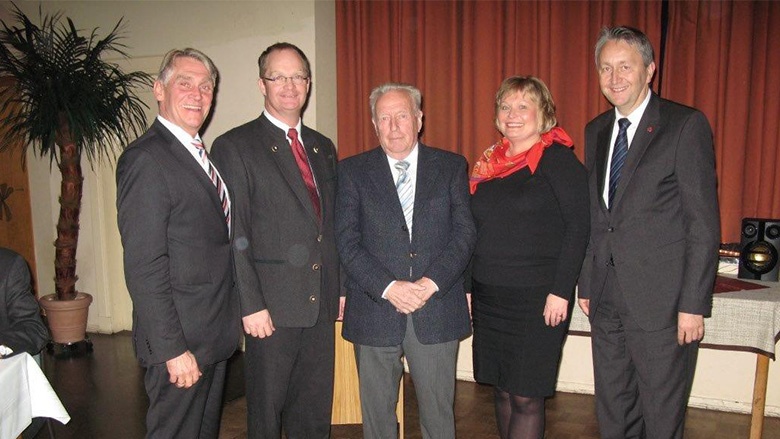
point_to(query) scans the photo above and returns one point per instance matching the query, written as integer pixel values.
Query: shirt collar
(281, 125)
(635, 115)
(183, 136)
(411, 158)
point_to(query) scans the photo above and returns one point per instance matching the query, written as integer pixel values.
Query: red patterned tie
(303, 166)
(216, 179)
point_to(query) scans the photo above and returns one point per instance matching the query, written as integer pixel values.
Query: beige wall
(233, 34)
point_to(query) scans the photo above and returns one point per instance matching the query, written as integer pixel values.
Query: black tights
(519, 417)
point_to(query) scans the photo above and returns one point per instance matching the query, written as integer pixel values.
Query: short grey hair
(166, 68)
(634, 37)
(387, 87)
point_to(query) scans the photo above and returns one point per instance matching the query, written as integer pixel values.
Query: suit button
(315, 267)
(319, 238)
(312, 299)
(404, 228)
(610, 229)
(412, 255)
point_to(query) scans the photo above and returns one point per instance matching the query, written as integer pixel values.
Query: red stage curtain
(458, 52)
(722, 58)
(719, 58)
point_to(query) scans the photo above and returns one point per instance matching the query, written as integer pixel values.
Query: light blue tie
(619, 154)
(405, 193)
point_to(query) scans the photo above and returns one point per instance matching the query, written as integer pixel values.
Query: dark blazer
(177, 253)
(375, 250)
(21, 327)
(663, 230)
(286, 258)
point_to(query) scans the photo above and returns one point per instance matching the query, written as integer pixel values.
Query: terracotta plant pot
(67, 318)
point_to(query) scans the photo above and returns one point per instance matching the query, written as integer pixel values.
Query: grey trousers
(433, 373)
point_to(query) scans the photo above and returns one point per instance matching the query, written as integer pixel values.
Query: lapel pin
(274, 148)
(315, 149)
(649, 129)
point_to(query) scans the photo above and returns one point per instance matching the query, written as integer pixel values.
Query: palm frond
(59, 76)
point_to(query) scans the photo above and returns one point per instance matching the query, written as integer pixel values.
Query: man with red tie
(282, 177)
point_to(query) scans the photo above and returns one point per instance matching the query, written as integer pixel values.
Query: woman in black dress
(530, 204)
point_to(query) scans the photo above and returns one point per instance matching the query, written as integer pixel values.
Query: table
(27, 394)
(747, 320)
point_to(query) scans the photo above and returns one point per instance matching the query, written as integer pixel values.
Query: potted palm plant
(63, 98)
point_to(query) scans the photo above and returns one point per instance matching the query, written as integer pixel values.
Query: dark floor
(103, 392)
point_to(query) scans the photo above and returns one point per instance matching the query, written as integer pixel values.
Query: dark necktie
(215, 178)
(303, 165)
(618, 157)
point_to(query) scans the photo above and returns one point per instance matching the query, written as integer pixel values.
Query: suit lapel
(380, 176)
(426, 177)
(645, 132)
(191, 166)
(285, 162)
(602, 149)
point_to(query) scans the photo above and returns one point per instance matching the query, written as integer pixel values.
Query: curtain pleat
(719, 58)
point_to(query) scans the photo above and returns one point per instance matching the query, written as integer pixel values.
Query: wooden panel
(15, 213)
(346, 390)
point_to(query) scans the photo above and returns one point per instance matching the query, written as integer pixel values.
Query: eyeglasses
(281, 80)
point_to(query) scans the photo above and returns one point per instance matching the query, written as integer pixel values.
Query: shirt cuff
(384, 293)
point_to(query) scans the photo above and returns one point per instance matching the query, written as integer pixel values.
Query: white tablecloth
(747, 320)
(25, 394)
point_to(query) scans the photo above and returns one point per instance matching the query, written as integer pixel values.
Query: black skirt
(513, 349)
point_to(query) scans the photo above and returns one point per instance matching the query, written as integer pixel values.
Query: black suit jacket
(286, 258)
(177, 253)
(375, 249)
(663, 230)
(21, 327)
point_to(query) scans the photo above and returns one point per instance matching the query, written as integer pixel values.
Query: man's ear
(261, 84)
(159, 91)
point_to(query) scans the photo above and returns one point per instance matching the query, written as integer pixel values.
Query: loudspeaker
(758, 258)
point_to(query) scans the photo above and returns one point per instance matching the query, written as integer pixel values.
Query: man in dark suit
(282, 175)
(405, 234)
(646, 283)
(174, 217)
(21, 327)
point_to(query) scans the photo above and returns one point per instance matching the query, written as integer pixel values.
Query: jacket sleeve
(695, 171)
(144, 208)
(25, 331)
(568, 180)
(227, 158)
(450, 264)
(359, 264)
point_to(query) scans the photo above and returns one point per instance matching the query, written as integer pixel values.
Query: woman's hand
(555, 310)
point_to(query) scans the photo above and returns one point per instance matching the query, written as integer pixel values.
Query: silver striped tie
(405, 193)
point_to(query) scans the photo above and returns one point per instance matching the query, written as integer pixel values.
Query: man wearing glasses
(282, 176)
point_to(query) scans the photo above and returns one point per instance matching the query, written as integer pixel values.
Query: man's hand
(405, 296)
(342, 302)
(183, 370)
(690, 328)
(430, 288)
(259, 324)
(584, 306)
(555, 310)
